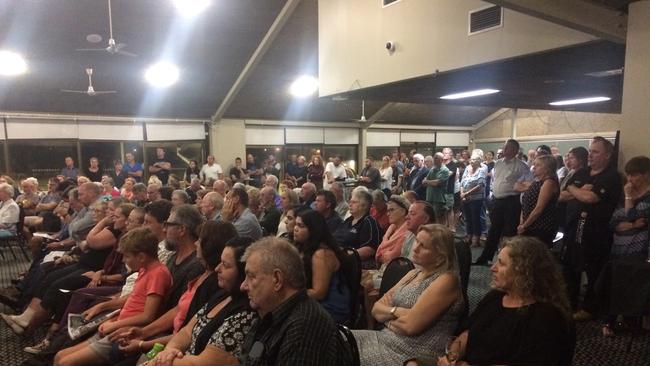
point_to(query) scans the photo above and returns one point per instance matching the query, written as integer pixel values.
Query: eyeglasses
(168, 224)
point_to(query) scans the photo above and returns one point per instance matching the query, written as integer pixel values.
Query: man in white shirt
(334, 171)
(211, 170)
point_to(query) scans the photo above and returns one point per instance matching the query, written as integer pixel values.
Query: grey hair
(364, 198)
(190, 217)
(293, 196)
(274, 179)
(7, 188)
(279, 254)
(182, 194)
(215, 199)
(95, 189)
(378, 194)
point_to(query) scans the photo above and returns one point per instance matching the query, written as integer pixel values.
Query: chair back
(464, 257)
(351, 344)
(395, 270)
(352, 269)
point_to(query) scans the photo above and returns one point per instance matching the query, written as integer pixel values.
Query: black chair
(348, 339)
(352, 270)
(395, 270)
(464, 257)
(18, 239)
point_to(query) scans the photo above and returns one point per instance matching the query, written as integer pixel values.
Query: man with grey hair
(89, 193)
(417, 175)
(211, 206)
(342, 207)
(271, 181)
(269, 214)
(294, 329)
(9, 211)
(436, 186)
(153, 192)
(210, 170)
(181, 232)
(308, 195)
(180, 197)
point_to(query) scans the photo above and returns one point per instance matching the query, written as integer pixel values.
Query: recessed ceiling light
(468, 94)
(304, 86)
(94, 38)
(12, 64)
(191, 7)
(162, 74)
(580, 101)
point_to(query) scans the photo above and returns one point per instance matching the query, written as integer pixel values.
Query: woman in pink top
(391, 245)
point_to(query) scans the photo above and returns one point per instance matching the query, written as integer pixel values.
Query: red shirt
(381, 218)
(184, 303)
(154, 280)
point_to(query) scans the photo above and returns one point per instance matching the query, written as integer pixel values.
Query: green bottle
(157, 347)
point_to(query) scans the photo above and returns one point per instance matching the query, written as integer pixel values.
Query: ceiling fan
(113, 47)
(363, 112)
(91, 91)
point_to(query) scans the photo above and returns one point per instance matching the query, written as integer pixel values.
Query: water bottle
(157, 347)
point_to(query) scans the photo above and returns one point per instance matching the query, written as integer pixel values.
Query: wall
(429, 35)
(228, 141)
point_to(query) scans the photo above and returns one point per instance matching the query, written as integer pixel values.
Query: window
(42, 159)
(261, 155)
(178, 154)
(349, 153)
(377, 153)
(424, 148)
(106, 152)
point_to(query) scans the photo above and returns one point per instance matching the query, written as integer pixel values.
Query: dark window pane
(177, 153)
(42, 159)
(106, 152)
(349, 153)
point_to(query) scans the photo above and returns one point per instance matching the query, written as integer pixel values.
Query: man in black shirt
(161, 166)
(370, 176)
(325, 205)
(293, 329)
(595, 196)
(450, 198)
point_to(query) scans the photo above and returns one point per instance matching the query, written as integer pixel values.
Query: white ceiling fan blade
(125, 53)
(110, 20)
(106, 92)
(74, 91)
(91, 49)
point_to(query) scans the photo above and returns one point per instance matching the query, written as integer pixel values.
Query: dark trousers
(473, 210)
(504, 219)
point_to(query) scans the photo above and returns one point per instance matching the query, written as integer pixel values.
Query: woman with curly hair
(525, 319)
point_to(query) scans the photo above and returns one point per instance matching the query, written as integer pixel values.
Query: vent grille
(485, 19)
(385, 3)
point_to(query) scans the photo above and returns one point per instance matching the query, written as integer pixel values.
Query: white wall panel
(264, 136)
(2, 131)
(453, 139)
(175, 132)
(41, 129)
(341, 136)
(382, 139)
(418, 137)
(110, 131)
(304, 135)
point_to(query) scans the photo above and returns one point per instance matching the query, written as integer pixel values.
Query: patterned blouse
(229, 336)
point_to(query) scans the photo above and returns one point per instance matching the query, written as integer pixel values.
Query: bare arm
(322, 271)
(100, 237)
(545, 194)
(151, 306)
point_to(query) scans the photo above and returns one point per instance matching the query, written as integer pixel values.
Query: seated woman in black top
(360, 230)
(525, 320)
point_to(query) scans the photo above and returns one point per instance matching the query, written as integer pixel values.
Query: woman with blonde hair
(422, 310)
(386, 175)
(539, 202)
(288, 199)
(525, 319)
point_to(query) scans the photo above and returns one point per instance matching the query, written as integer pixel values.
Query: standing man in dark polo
(293, 329)
(161, 166)
(509, 174)
(370, 176)
(595, 195)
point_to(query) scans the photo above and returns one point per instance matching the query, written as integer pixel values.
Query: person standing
(253, 171)
(450, 198)
(334, 172)
(505, 208)
(118, 174)
(539, 202)
(69, 171)
(210, 170)
(436, 183)
(161, 166)
(370, 176)
(597, 198)
(132, 168)
(315, 171)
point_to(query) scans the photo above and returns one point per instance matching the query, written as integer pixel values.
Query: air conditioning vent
(485, 19)
(385, 3)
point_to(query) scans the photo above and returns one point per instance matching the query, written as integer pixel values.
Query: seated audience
(325, 204)
(253, 200)
(29, 198)
(422, 310)
(525, 320)
(391, 245)
(127, 189)
(308, 195)
(235, 210)
(294, 329)
(269, 216)
(44, 209)
(216, 333)
(420, 213)
(288, 199)
(379, 209)
(179, 197)
(327, 279)
(139, 248)
(9, 211)
(360, 230)
(539, 202)
(211, 206)
(221, 187)
(140, 195)
(109, 189)
(342, 208)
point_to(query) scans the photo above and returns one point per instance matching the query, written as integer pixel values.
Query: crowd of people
(259, 266)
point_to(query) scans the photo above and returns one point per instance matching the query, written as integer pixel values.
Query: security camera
(390, 46)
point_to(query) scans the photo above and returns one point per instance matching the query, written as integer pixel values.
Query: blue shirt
(137, 167)
(70, 173)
